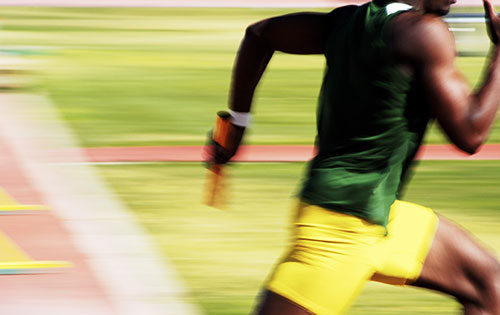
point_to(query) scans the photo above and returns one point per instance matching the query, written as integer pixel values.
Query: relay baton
(215, 176)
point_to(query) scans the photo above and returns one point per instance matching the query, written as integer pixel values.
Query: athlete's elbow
(470, 149)
(472, 144)
(252, 30)
(262, 35)
(256, 31)
(468, 138)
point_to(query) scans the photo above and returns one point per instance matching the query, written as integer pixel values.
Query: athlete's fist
(223, 141)
(492, 22)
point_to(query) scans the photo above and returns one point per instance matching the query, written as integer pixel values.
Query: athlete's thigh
(457, 265)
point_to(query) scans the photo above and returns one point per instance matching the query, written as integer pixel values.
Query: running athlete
(389, 70)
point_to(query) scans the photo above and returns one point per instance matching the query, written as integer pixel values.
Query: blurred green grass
(224, 256)
(140, 76)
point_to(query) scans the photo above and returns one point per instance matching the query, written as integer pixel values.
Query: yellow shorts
(334, 254)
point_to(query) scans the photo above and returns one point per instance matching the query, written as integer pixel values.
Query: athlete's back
(368, 128)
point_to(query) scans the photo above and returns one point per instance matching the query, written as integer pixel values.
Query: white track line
(123, 256)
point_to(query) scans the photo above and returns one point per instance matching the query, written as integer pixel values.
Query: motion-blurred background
(156, 77)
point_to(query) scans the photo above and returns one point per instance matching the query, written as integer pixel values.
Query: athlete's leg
(274, 304)
(458, 266)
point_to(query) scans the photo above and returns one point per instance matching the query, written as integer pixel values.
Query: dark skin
(429, 51)
(424, 47)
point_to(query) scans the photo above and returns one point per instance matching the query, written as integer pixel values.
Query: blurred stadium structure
(469, 32)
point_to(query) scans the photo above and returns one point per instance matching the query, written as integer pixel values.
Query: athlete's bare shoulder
(421, 38)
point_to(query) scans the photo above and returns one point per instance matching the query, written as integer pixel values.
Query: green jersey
(370, 121)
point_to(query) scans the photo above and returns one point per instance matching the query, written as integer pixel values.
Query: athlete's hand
(492, 22)
(215, 153)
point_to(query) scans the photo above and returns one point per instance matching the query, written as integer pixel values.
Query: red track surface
(264, 153)
(42, 236)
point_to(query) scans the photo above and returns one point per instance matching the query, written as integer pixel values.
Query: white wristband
(240, 119)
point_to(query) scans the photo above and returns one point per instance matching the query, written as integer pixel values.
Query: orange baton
(215, 178)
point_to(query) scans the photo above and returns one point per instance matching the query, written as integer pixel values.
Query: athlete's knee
(494, 283)
(489, 280)
(459, 266)
(486, 279)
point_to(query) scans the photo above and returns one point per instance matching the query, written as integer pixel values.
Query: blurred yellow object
(13, 259)
(10, 252)
(8, 205)
(19, 207)
(25, 267)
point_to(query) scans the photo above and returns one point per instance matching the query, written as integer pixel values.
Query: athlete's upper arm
(299, 33)
(430, 48)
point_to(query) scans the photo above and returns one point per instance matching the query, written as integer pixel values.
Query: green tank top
(370, 120)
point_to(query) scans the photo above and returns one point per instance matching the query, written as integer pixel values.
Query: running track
(115, 268)
(261, 153)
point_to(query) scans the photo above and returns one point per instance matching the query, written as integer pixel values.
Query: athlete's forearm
(486, 100)
(252, 59)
